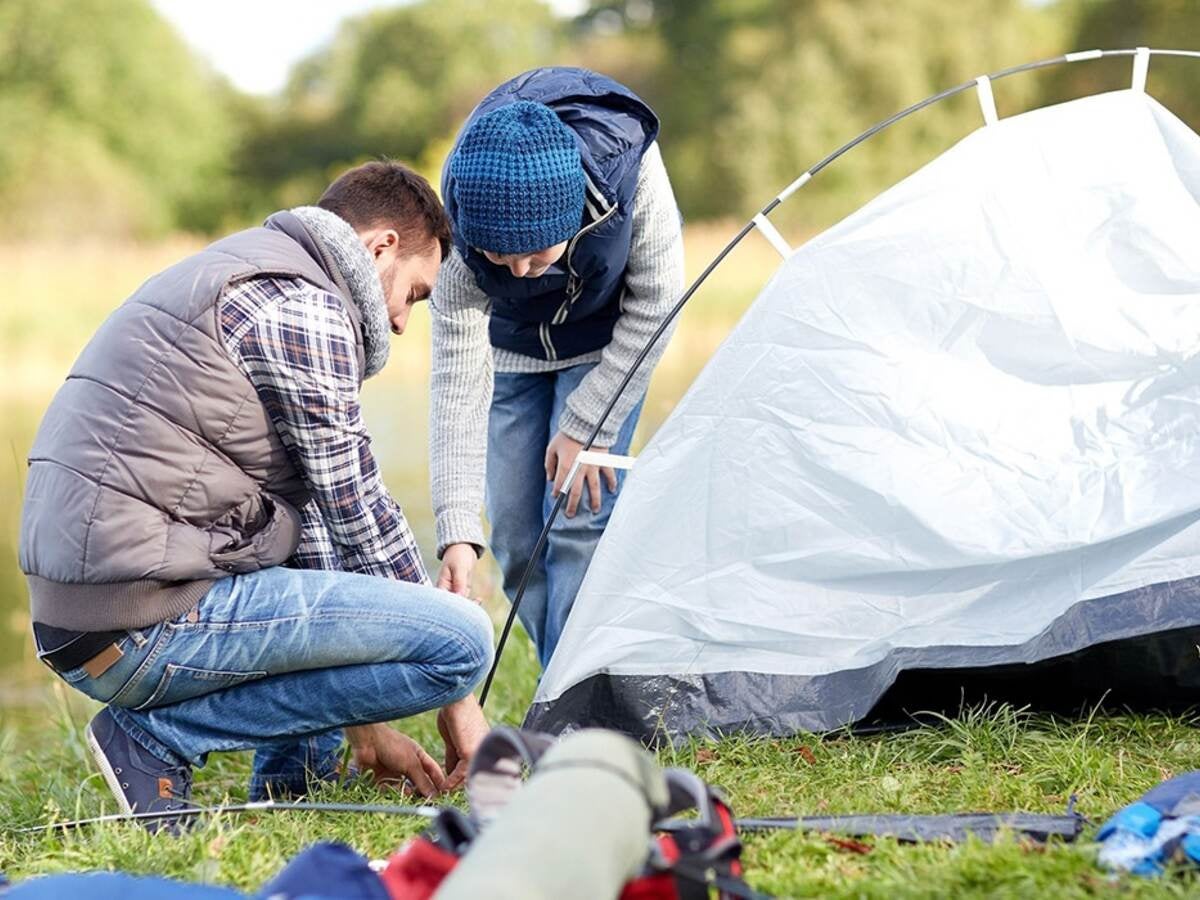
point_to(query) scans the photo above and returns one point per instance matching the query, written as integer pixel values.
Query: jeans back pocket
(185, 682)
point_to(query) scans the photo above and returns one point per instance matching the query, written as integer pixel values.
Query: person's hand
(395, 758)
(462, 727)
(458, 562)
(560, 456)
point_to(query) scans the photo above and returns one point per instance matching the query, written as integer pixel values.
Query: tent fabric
(961, 428)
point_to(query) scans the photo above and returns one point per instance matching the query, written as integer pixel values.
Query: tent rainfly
(951, 451)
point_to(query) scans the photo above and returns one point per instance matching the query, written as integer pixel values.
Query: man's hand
(560, 456)
(462, 727)
(458, 562)
(394, 758)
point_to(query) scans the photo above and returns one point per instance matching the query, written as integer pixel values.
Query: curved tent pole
(982, 84)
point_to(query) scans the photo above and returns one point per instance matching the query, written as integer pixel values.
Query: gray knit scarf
(356, 266)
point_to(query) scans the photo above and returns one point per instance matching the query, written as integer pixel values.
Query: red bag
(683, 863)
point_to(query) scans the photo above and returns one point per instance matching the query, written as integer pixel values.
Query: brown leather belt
(94, 651)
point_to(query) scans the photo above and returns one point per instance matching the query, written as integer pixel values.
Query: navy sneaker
(140, 781)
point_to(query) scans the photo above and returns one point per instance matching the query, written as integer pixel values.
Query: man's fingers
(446, 579)
(550, 463)
(423, 772)
(461, 581)
(610, 475)
(560, 476)
(434, 771)
(593, 484)
(457, 777)
(573, 496)
(422, 783)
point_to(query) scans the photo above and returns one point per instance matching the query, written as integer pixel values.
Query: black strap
(70, 649)
(725, 883)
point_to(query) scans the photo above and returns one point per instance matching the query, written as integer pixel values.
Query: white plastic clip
(794, 186)
(987, 103)
(771, 233)
(596, 458)
(1141, 65)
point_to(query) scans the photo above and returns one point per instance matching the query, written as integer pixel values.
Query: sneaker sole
(106, 769)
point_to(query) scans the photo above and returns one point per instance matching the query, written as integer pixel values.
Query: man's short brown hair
(385, 193)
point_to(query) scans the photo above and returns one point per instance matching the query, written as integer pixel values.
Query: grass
(994, 758)
(989, 758)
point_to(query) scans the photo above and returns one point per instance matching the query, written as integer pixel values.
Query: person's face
(407, 277)
(527, 265)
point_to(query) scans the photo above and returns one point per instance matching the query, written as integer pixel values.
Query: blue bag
(1162, 827)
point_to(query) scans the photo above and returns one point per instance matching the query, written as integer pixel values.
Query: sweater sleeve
(461, 387)
(654, 280)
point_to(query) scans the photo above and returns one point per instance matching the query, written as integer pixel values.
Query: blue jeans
(523, 419)
(278, 660)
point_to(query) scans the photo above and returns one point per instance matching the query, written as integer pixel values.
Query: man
(209, 546)
(568, 253)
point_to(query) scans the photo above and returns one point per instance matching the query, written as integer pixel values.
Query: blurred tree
(753, 92)
(109, 123)
(394, 82)
(1119, 24)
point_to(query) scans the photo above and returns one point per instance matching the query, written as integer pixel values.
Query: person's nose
(519, 267)
(398, 322)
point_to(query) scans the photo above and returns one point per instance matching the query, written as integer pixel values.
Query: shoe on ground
(141, 782)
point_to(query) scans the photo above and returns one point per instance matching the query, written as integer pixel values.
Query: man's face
(527, 265)
(407, 276)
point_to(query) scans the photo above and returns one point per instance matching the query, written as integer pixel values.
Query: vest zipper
(574, 282)
(547, 344)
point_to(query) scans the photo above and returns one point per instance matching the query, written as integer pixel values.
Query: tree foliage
(108, 120)
(395, 82)
(1120, 24)
(109, 124)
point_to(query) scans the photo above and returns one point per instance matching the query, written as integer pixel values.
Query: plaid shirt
(296, 344)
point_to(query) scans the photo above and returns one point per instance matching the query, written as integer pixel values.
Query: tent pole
(562, 497)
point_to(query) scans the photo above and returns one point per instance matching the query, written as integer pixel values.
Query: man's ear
(382, 241)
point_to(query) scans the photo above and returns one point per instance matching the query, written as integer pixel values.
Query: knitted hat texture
(518, 180)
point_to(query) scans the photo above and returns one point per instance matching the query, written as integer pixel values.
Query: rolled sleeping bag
(579, 828)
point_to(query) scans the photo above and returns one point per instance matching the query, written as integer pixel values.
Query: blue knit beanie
(518, 180)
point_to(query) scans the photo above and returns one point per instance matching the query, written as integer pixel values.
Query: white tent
(959, 431)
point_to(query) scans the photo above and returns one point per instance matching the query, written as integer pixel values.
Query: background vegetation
(110, 122)
(120, 151)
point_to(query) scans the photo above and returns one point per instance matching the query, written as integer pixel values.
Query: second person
(568, 254)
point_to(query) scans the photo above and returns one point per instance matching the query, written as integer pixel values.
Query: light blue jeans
(523, 419)
(278, 660)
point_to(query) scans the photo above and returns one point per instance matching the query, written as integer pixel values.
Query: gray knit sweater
(464, 360)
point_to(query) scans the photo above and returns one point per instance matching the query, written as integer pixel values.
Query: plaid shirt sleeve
(316, 549)
(296, 344)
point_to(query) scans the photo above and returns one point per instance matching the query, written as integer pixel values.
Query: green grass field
(986, 759)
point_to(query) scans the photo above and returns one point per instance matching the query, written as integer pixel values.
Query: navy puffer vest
(572, 308)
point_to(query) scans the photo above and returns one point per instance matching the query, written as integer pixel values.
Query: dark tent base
(1147, 670)
(1156, 672)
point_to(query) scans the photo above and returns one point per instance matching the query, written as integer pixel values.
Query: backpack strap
(500, 765)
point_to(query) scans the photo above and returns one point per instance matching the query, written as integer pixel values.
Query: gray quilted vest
(156, 469)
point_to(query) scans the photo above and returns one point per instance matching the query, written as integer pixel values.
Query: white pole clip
(771, 233)
(987, 102)
(596, 458)
(794, 186)
(1141, 65)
